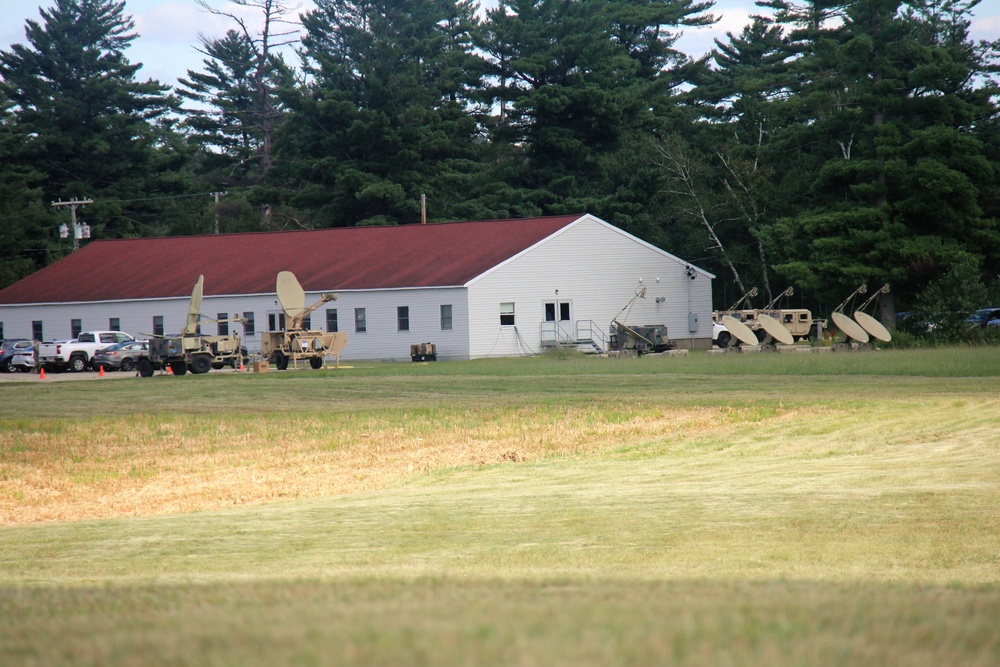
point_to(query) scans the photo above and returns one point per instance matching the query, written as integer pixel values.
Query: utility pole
(217, 195)
(80, 231)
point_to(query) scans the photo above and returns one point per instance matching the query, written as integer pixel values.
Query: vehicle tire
(5, 366)
(145, 368)
(316, 362)
(127, 365)
(724, 339)
(179, 367)
(78, 364)
(201, 364)
(280, 360)
(761, 335)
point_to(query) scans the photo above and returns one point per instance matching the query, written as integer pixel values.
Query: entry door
(559, 316)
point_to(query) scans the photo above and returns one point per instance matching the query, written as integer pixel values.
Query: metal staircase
(586, 336)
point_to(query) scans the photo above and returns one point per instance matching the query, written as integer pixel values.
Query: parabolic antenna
(775, 328)
(194, 309)
(740, 330)
(291, 296)
(872, 326)
(850, 328)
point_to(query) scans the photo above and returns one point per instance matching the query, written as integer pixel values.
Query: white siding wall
(381, 341)
(597, 269)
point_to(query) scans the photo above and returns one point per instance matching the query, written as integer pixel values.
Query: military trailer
(294, 343)
(639, 339)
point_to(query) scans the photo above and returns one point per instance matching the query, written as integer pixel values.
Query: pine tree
(81, 118)
(387, 114)
(896, 195)
(221, 121)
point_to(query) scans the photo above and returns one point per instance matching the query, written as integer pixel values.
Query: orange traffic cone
(101, 374)
(170, 371)
(41, 374)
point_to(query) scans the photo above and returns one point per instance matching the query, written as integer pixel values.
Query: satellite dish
(850, 328)
(291, 296)
(742, 332)
(775, 328)
(872, 326)
(194, 309)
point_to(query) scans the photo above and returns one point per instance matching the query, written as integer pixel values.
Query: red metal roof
(434, 255)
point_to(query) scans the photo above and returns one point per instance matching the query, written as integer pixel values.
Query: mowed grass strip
(444, 622)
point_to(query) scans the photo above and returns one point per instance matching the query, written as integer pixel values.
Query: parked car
(121, 356)
(985, 317)
(77, 354)
(9, 348)
(23, 361)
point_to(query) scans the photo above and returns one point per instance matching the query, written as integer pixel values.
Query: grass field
(708, 510)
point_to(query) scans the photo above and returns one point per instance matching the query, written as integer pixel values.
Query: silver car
(121, 356)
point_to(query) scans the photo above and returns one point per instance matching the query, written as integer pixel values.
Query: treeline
(825, 145)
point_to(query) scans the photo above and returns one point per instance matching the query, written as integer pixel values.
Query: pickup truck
(77, 354)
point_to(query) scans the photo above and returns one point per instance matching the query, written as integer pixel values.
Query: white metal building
(475, 289)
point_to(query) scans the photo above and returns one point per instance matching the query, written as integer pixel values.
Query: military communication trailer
(637, 339)
(191, 350)
(294, 343)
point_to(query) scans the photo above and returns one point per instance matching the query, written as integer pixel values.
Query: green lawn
(734, 509)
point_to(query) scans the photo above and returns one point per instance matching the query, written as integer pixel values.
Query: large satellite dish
(875, 328)
(194, 309)
(850, 328)
(291, 296)
(742, 332)
(775, 328)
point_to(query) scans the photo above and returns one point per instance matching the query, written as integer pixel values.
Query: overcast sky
(168, 30)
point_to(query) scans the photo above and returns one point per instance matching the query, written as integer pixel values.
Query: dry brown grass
(101, 468)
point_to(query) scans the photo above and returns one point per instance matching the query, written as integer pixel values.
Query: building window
(446, 317)
(75, 327)
(507, 314)
(402, 318)
(275, 321)
(360, 323)
(223, 323)
(114, 324)
(248, 328)
(331, 319)
(157, 325)
(36, 330)
(307, 322)
(1, 330)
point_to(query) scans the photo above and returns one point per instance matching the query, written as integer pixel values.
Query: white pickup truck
(77, 354)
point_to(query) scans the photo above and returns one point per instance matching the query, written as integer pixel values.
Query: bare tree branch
(679, 166)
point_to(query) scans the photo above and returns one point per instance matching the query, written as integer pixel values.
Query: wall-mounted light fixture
(661, 299)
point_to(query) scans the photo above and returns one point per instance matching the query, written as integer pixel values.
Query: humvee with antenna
(751, 326)
(293, 342)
